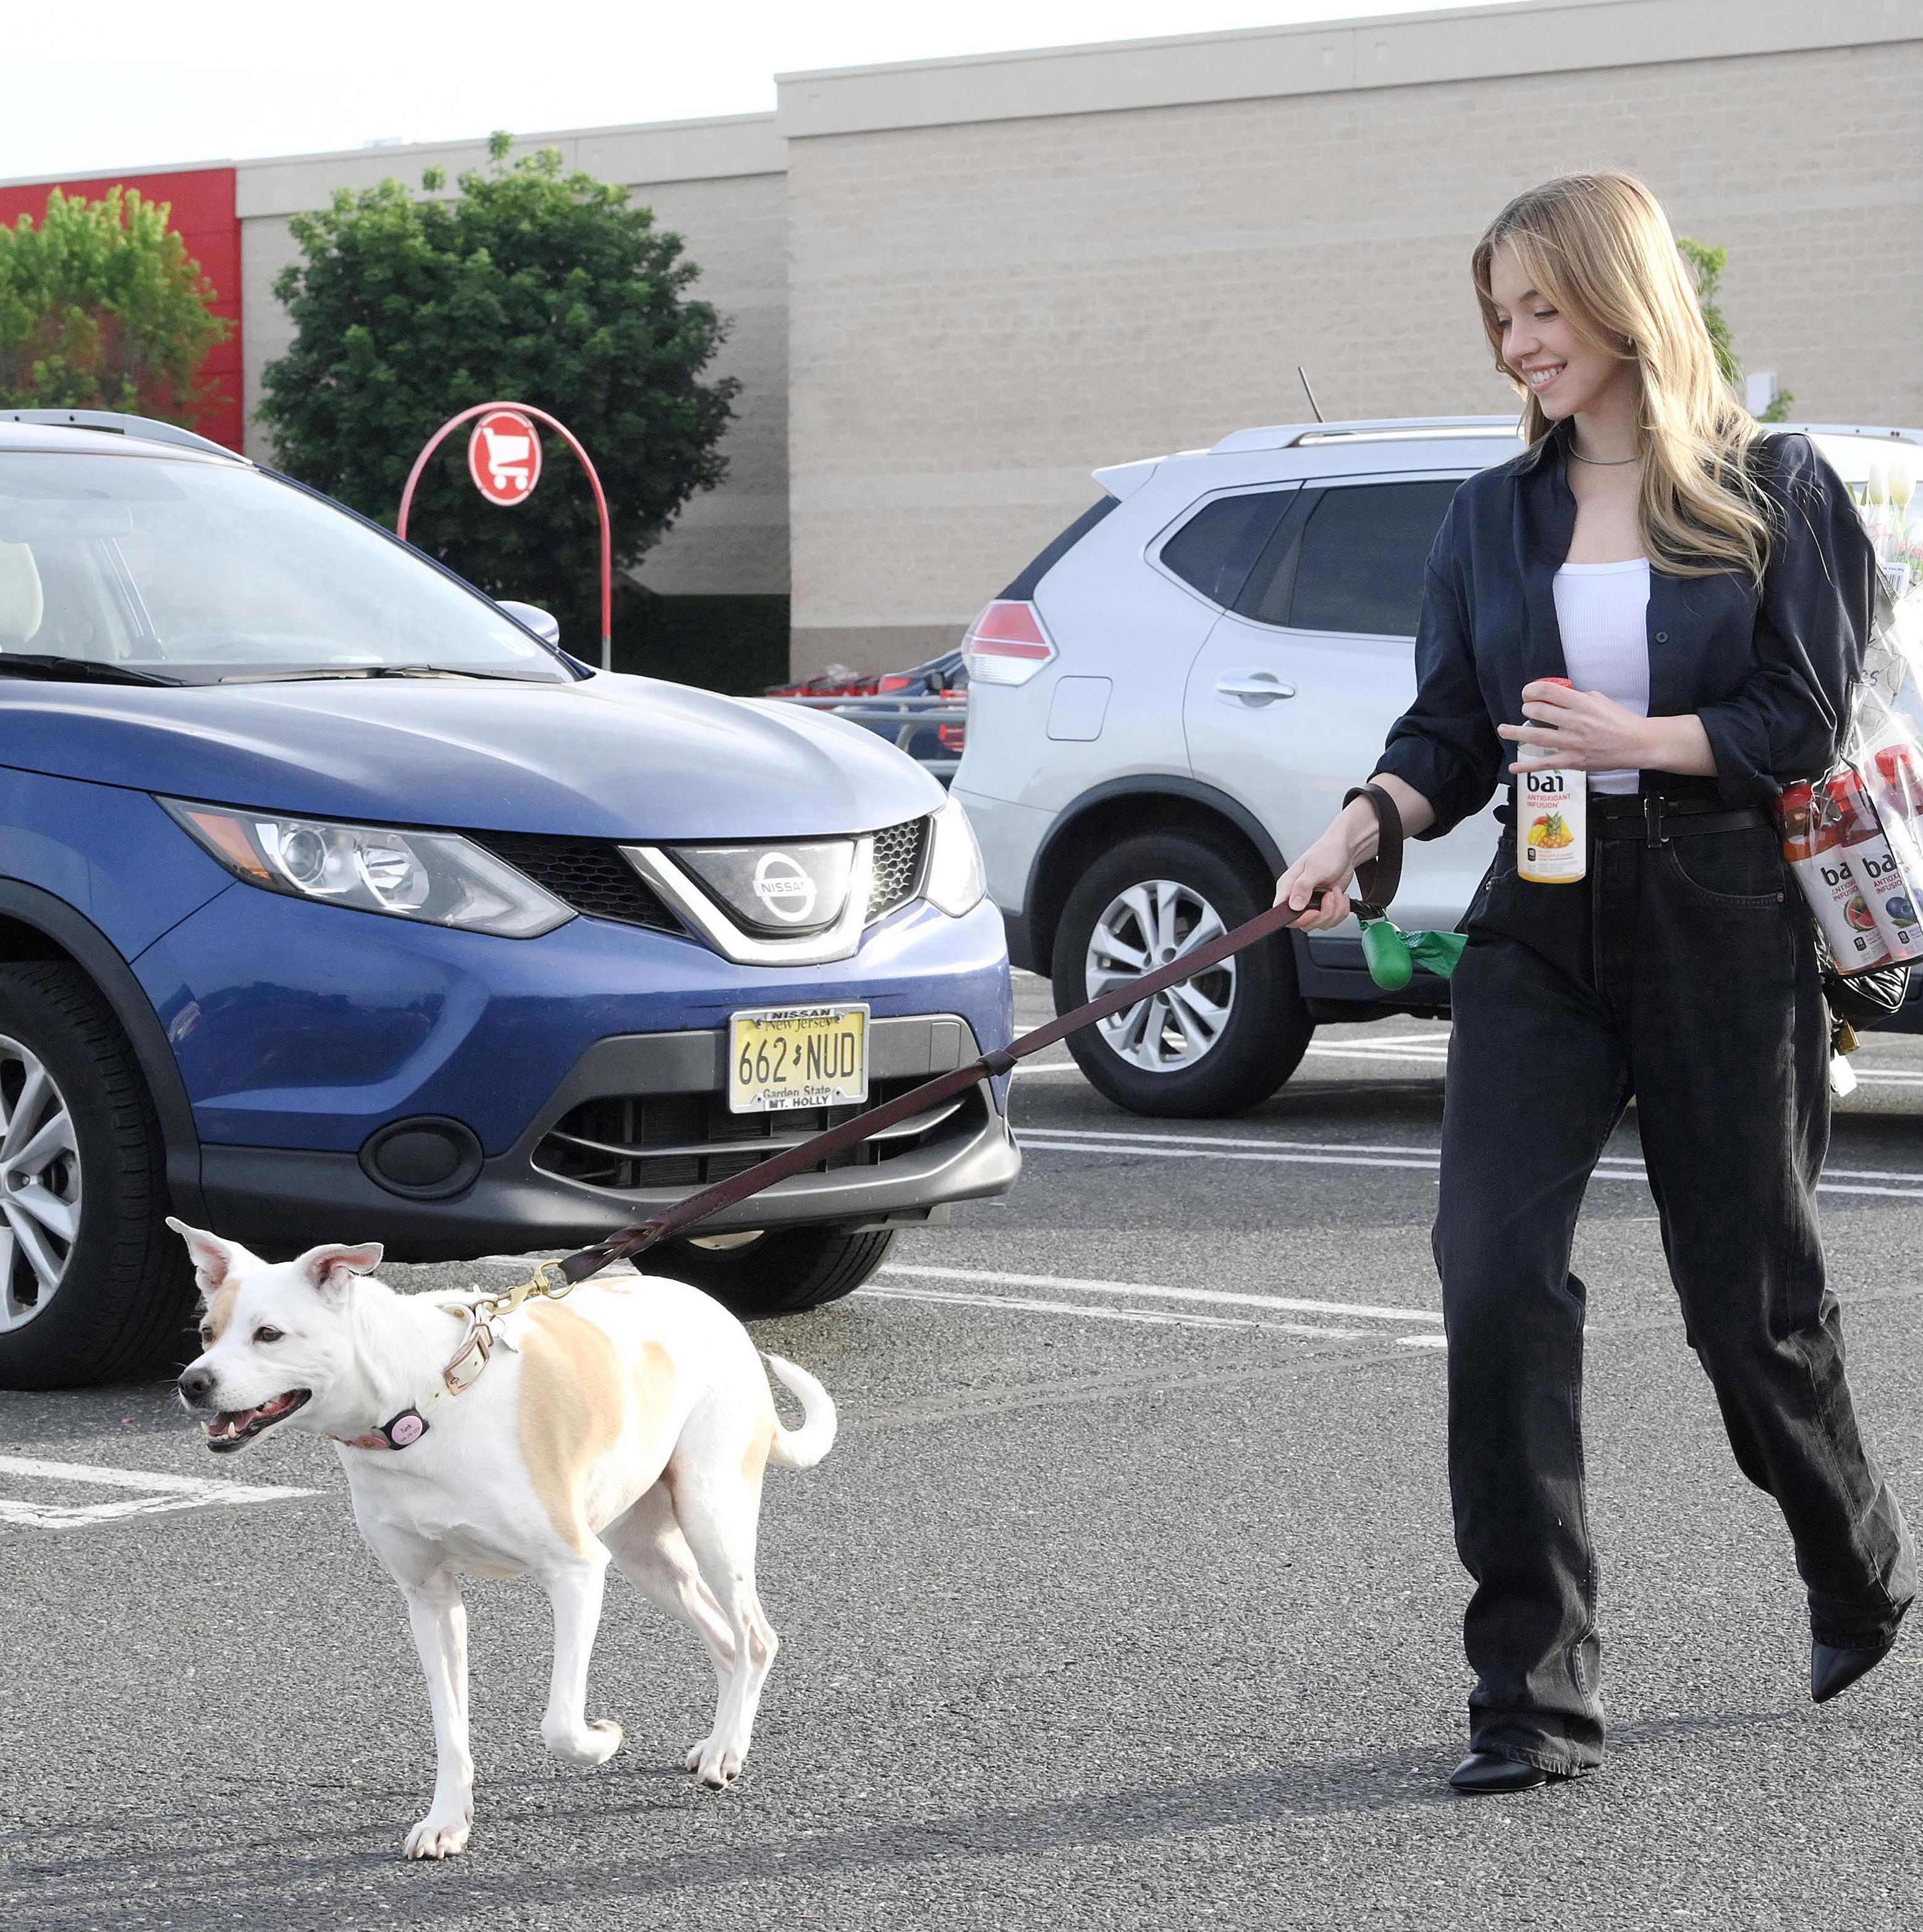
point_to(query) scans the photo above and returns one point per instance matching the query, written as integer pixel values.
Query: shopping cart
(508, 460)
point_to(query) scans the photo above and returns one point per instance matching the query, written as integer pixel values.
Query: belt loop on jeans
(1653, 834)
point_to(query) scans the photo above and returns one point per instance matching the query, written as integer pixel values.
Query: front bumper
(305, 1032)
(287, 1199)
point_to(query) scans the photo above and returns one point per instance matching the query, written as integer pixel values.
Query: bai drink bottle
(1552, 820)
(1896, 791)
(1815, 853)
(1873, 865)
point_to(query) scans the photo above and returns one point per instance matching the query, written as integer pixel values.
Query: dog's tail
(802, 1448)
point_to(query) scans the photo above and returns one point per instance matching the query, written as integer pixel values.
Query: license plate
(797, 1057)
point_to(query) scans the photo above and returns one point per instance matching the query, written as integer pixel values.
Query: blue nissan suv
(337, 903)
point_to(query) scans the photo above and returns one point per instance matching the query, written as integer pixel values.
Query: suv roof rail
(1292, 436)
(149, 429)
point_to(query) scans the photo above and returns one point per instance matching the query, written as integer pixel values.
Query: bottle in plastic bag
(1552, 820)
(1895, 786)
(1814, 850)
(1873, 865)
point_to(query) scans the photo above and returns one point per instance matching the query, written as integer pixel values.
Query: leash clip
(536, 1284)
(556, 1290)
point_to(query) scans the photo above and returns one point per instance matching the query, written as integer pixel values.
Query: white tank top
(1602, 609)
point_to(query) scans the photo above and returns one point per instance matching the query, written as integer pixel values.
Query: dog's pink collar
(402, 1431)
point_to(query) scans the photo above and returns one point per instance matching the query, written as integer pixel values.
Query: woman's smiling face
(1565, 372)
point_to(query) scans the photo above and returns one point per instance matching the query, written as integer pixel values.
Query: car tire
(1207, 886)
(785, 1271)
(115, 1304)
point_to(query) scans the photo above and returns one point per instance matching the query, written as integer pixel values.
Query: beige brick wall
(955, 287)
(717, 184)
(983, 311)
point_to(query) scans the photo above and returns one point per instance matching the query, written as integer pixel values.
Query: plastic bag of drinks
(1854, 839)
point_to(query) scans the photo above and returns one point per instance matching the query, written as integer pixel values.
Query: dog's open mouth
(233, 1427)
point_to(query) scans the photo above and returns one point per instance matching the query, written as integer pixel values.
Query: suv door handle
(1259, 687)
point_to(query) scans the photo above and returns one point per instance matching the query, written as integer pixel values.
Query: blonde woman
(1707, 589)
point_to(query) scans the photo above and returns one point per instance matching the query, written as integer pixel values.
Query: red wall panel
(202, 200)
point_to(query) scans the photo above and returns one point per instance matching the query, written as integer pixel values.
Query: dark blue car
(337, 904)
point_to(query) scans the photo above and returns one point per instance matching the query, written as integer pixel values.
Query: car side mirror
(544, 624)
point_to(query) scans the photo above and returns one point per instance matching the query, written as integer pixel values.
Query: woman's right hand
(1317, 885)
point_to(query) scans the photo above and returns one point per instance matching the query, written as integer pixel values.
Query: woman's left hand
(1587, 731)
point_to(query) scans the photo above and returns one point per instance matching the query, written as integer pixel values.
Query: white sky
(122, 84)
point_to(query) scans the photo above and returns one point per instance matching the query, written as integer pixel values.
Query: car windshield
(152, 570)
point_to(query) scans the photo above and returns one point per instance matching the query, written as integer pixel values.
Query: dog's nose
(196, 1385)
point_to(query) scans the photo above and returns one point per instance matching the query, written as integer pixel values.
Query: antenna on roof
(1310, 393)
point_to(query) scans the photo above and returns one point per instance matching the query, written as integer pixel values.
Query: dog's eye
(264, 1333)
(207, 1337)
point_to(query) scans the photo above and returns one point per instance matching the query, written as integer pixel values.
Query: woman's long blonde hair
(1600, 248)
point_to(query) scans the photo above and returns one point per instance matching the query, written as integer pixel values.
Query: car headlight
(437, 876)
(955, 880)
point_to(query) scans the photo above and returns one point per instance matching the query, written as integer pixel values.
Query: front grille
(584, 873)
(898, 853)
(631, 1141)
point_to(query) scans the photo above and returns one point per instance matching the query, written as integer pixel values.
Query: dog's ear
(215, 1261)
(328, 1267)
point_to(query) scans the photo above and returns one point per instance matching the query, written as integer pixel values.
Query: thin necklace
(1603, 462)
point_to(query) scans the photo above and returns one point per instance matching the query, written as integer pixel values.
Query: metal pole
(561, 429)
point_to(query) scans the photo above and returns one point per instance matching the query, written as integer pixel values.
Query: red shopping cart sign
(504, 457)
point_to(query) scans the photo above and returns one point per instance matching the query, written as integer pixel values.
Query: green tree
(532, 285)
(1706, 266)
(102, 308)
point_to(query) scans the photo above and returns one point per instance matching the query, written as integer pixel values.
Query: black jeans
(1684, 974)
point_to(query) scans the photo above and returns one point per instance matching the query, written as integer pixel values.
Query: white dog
(632, 1420)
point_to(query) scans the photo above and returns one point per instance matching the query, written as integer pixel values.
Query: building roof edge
(1333, 56)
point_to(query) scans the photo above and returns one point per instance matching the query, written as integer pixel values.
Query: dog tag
(409, 1426)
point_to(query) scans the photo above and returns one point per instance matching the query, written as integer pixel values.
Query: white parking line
(1064, 1141)
(1289, 1304)
(1429, 1055)
(1402, 1046)
(1152, 1317)
(1215, 1147)
(161, 1493)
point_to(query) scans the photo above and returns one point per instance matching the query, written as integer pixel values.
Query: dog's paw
(435, 1837)
(593, 1744)
(604, 1737)
(713, 1765)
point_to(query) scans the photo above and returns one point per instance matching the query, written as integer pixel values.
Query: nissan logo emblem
(784, 888)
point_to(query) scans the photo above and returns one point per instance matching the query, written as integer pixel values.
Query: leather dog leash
(552, 1280)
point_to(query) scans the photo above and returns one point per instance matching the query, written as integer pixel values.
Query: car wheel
(1218, 1044)
(93, 1287)
(784, 1271)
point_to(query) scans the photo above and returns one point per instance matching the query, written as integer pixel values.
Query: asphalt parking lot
(1126, 1598)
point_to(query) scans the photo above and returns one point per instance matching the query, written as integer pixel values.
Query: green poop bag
(1392, 954)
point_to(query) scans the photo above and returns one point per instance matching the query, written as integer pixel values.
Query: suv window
(1045, 560)
(1350, 559)
(1215, 550)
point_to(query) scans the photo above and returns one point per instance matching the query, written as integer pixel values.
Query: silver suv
(1172, 698)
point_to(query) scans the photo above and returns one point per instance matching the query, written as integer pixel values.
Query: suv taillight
(1006, 643)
